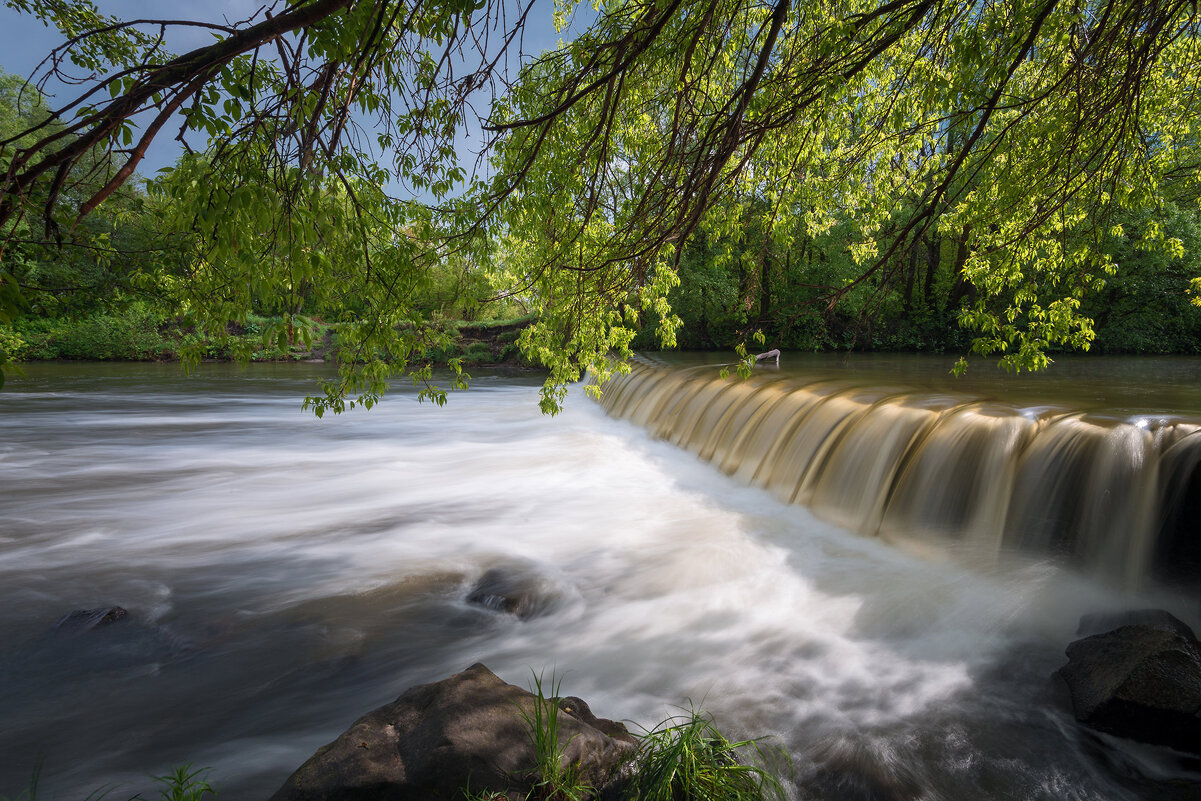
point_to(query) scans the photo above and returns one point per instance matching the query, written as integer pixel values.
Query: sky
(25, 42)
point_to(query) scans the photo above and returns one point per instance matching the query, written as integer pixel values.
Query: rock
(81, 620)
(515, 589)
(435, 740)
(579, 709)
(1141, 681)
(1101, 622)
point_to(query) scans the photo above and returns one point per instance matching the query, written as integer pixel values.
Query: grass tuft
(687, 759)
(185, 783)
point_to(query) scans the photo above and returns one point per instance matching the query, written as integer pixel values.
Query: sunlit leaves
(1018, 131)
(1010, 127)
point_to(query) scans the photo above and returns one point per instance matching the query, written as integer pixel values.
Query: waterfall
(1118, 497)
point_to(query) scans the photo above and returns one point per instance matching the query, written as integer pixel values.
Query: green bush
(138, 333)
(13, 345)
(477, 353)
(131, 333)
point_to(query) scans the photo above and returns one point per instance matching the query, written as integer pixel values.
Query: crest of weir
(1117, 497)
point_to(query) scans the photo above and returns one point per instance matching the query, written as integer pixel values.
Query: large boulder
(1141, 681)
(466, 731)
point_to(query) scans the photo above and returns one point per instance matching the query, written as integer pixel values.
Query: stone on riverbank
(466, 731)
(1141, 681)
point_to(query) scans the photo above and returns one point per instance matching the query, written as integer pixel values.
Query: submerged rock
(466, 731)
(1141, 681)
(515, 589)
(81, 620)
(100, 640)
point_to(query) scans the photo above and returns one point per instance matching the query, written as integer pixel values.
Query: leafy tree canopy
(1022, 130)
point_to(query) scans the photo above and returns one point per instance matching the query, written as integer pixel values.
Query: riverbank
(138, 334)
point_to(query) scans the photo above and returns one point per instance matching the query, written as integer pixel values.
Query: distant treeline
(734, 285)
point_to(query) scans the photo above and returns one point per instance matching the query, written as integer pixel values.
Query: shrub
(131, 333)
(477, 353)
(12, 344)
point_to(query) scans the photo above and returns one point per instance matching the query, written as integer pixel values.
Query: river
(285, 574)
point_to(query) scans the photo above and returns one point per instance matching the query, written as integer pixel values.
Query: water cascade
(283, 575)
(1117, 496)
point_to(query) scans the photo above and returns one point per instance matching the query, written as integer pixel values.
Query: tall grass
(185, 783)
(686, 758)
(557, 781)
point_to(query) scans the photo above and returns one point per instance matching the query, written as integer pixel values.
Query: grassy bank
(138, 333)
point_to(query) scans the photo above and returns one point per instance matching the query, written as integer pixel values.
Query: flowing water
(284, 575)
(1110, 488)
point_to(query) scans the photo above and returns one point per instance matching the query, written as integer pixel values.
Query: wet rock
(579, 709)
(81, 620)
(466, 731)
(1102, 622)
(1141, 681)
(515, 589)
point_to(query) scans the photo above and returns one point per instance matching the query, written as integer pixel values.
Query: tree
(106, 260)
(1017, 128)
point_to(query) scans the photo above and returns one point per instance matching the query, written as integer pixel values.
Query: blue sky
(24, 42)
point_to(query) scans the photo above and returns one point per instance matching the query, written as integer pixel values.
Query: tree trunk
(933, 256)
(765, 287)
(910, 278)
(962, 290)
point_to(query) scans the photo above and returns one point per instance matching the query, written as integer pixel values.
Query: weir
(1116, 496)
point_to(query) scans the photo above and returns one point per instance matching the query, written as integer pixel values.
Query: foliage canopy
(1019, 133)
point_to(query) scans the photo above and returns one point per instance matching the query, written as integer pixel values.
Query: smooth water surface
(1114, 385)
(284, 575)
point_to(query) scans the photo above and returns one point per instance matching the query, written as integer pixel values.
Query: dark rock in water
(515, 589)
(1101, 622)
(97, 641)
(435, 740)
(82, 620)
(1140, 681)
